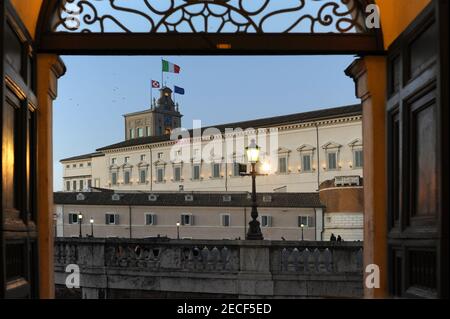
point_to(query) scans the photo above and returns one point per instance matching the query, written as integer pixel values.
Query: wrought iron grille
(210, 16)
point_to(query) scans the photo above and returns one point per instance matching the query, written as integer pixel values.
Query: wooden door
(415, 107)
(18, 233)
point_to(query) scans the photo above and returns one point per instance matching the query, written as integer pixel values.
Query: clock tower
(162, 117)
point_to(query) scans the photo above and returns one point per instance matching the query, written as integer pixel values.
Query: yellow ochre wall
(396, 15)
(28, 11)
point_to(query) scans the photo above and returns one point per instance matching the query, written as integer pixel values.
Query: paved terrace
(155, 268)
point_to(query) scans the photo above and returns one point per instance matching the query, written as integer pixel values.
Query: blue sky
(97, 91)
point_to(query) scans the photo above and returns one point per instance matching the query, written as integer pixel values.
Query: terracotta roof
(85, 156)
(205, 199)
(324, 114)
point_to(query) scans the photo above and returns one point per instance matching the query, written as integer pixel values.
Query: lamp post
(92, 227)
(254, 230)
(302, 226)
(80, 219)
(178, 230)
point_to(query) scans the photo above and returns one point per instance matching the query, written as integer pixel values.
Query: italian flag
(170, 67)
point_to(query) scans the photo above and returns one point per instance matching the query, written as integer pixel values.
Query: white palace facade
(305, 150)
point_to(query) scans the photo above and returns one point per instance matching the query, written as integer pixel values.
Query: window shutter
(182, 219)
(70, 218)
(154, 219)
(107, 219)
(192, 219)
(116, 219)
(310, 221)
(269, 221)
(299, 221)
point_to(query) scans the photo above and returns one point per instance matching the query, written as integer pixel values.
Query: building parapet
(233, 268)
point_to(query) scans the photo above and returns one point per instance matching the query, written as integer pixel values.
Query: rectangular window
(358, 155)
(160, 175)
(74, 165)
(225, 220)
(73, 218)
(266, 221)
(187, 219)
(306, 163)
(81, 185)
(112, 219)
(127, 159)
(306, 221)
(216, 170)
(177, 174)
(150, 219)
(142, 176)
(114, 178)
(282, 165)
(113, 161)
(142, 158)
(332, 160)
(148, 131)
(196, 173)
(89, 164)
(160, 155)
(68, 186)
(239, 168)
(67, 166)
(140, 132)
(131, 133)
(89, 183)
(81, 164)
(74, 185)
(126, 177)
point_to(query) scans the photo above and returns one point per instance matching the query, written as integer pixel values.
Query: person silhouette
(339, 239)
(332, 237)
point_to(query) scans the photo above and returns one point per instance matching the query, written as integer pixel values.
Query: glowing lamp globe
(253, 152)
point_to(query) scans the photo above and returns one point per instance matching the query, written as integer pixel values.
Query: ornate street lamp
(254, 230)
(80, 219)
(302, 226)
(178, 230)
(92, 227)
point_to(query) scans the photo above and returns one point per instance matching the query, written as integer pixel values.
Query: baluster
(295, 257)
(215, 257)
(306, 254)
(205, 257)
(327, 259)
(225, 256)
(316, 256)
(285, 259)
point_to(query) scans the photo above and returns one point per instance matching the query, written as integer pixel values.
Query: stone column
(369, 75)
(49, 68)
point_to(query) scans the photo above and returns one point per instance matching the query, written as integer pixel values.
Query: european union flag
(178, 90)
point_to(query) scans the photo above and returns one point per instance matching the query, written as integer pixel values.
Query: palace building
(306, 149)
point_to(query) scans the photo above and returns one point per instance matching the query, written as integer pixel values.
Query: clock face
(167, 120)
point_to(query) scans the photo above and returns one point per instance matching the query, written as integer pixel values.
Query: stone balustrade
(222, 268)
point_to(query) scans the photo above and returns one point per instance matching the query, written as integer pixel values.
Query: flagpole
(151, 94)
(162, 74)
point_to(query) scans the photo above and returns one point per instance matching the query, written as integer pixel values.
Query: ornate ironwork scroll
(210, 16)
